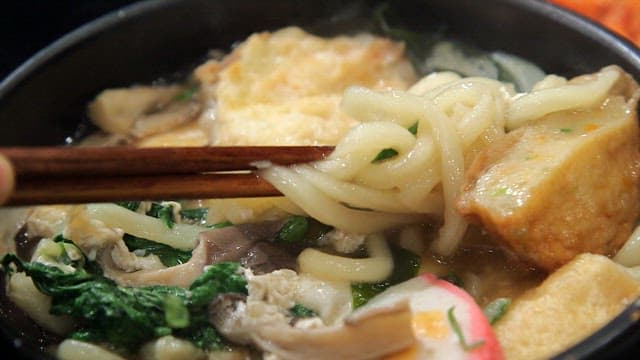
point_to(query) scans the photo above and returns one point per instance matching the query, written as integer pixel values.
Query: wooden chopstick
(66, 175)
(38, 162)
(59, 190)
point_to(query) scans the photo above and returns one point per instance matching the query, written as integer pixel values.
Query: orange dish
(621, 16)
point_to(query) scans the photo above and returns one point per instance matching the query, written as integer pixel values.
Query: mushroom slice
(116, 110)
(419, 318)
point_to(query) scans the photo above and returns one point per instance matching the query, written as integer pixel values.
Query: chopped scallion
(458, 330)
(414, 128)
(384, 154)
(496, 309)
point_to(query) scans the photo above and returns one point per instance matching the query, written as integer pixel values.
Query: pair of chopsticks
(64, 175)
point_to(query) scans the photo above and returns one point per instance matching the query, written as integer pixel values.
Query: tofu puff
(564, 184)
(284, 88)
(280, 88)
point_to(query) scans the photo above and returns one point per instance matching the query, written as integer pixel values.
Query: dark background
(26, 26)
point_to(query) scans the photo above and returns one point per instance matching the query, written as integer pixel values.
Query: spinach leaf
(405, 266)
(303, 231)
(220, 225)
(294, 230)
(301, 311)
(163, 212)
(168, 256)
(195, 215)
(126, 317)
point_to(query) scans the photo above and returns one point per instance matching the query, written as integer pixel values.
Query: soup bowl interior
(43, 102)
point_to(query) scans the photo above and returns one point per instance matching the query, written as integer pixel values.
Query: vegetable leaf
(414, 128)
(405, 266)
(294, 230)
(168, 256)
(162, 212)
(301, 311)
(197, 215)
(384, 154)
(131, 205)
(301, 231)
(187, 94)
(126, 317)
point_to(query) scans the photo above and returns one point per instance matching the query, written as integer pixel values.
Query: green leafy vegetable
(176, 313)
(168, 256)
(414, 128)
(163, 212)
(405, 266)
(301, 311)
(302, 231)
(196, 215)
(294, 230)
(384, 154)
(220, 225)
(131, 205)
(68, 253)
(456, 328)
(126, 317)
(496, 309)
(187, 94)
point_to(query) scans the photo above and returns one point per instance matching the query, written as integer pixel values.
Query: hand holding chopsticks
(58, 175)
(6, 179)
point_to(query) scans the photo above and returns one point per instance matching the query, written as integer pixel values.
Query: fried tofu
(284, 88)
(568, 306)
(565, 185)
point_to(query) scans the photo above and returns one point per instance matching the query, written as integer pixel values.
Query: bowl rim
(623, 47)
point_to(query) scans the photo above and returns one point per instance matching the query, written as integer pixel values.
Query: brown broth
(486, 270)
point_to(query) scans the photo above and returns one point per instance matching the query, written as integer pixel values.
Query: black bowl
(44, 100)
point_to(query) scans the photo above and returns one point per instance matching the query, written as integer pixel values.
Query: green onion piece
(566, 130)
(176, 313)
(301, 311)
(162, 212)
(294, 230)
(496, 309)
(198, 215)
(220, 225)
(384, 154)
(187, 94)
(131, 205)
(456, 328)
(414, 128)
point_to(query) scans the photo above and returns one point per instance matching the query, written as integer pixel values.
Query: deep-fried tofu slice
(565, 185)
(568, 306)
(284, 88)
